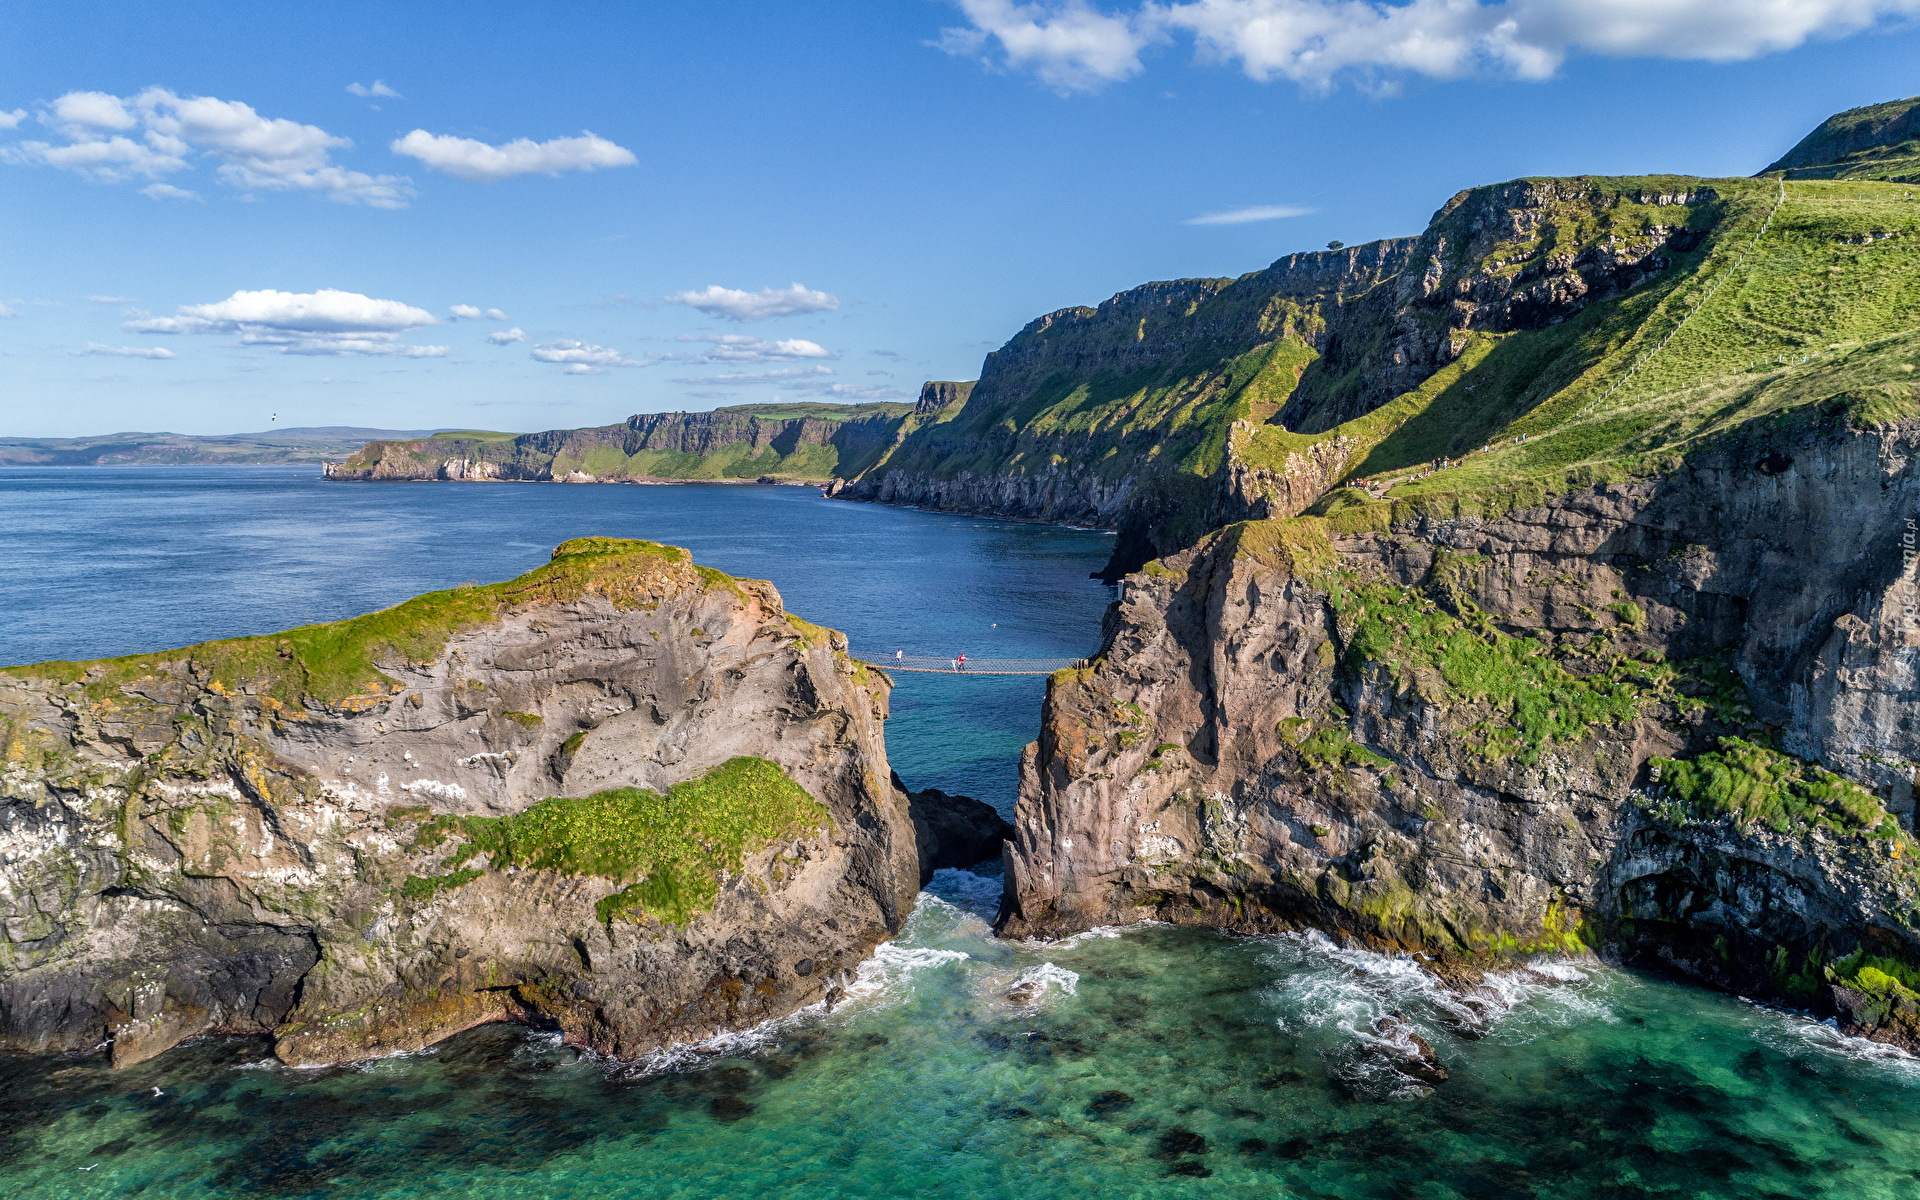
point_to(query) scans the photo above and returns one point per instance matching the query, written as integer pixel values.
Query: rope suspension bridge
(933, 664)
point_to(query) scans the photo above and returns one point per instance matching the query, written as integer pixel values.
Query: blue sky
(930, 175)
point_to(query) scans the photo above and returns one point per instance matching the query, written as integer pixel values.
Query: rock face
(1449, 733)
(344, 835)
(814, 442)
(954, 831)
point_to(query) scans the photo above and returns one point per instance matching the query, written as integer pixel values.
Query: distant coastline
(305, 445)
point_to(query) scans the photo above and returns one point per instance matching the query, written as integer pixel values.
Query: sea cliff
(1668, 718)
(798, 442)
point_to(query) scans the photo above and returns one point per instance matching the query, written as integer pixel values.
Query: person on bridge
(898, 655)
(961, 662)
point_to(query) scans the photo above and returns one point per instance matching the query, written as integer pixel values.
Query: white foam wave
(1332, 987)
(978, 894)
(935, 918)
(1079, 939)
(1029, 988)
(1329, 985)
(1796, 1033)
(885, 977)
(687, 1056)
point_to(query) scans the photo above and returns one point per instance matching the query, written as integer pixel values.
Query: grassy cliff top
(815, 410)
(332, 662)
(1809, 303)
(1879, 141)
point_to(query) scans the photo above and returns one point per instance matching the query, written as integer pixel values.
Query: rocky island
(623, 796)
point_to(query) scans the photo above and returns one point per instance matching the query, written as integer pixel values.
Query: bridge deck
(927, 664)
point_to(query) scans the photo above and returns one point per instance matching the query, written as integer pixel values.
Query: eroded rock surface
(1447, 735)
(280, 834)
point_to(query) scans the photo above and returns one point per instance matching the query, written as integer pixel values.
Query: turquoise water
(1154, 1061)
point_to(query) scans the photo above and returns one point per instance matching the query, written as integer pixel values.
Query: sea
(1143, 1061)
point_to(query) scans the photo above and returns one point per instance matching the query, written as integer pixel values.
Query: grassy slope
(1245, 352)
(1807, 321)
(1813, 311)
(339, 660)
(1880, 141)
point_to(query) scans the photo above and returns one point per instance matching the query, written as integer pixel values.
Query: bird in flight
(158, 1092)
(86, 1168)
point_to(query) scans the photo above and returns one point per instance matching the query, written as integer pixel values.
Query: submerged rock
(1414, 1055)
(622, 795)
(1109, 1102)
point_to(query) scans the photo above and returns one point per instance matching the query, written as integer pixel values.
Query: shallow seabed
(1157, 1061)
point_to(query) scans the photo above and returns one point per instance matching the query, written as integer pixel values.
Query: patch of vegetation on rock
(670, 851)
(1758, 785)
(1536, 700)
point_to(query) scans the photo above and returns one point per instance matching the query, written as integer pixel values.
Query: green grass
(1335, 747)
(1886, 982)
(1809, 320)
(669, 851)
(1757, 785)
(333, 662)
(1536, 701)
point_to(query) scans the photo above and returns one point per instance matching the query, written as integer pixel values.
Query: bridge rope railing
(951, 664)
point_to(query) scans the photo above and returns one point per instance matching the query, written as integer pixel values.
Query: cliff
(1655, 702)
(1879, 141)
(1119, 416)
(812, 442)
(621, 795)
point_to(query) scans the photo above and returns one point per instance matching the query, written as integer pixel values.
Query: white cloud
(1075, 47)
(125, 351)
(166, 191)
(473, 313)
(109, 299)
(92, 110)
(477, 162)
(1068, 45)
(249, 151)
(1243, 216)
(737, 305)
(582, 358)
(103, 160)
(6, 312)
(507, 337)
(11, 120)
(740, 348)
(326, 322)
(378, 88)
